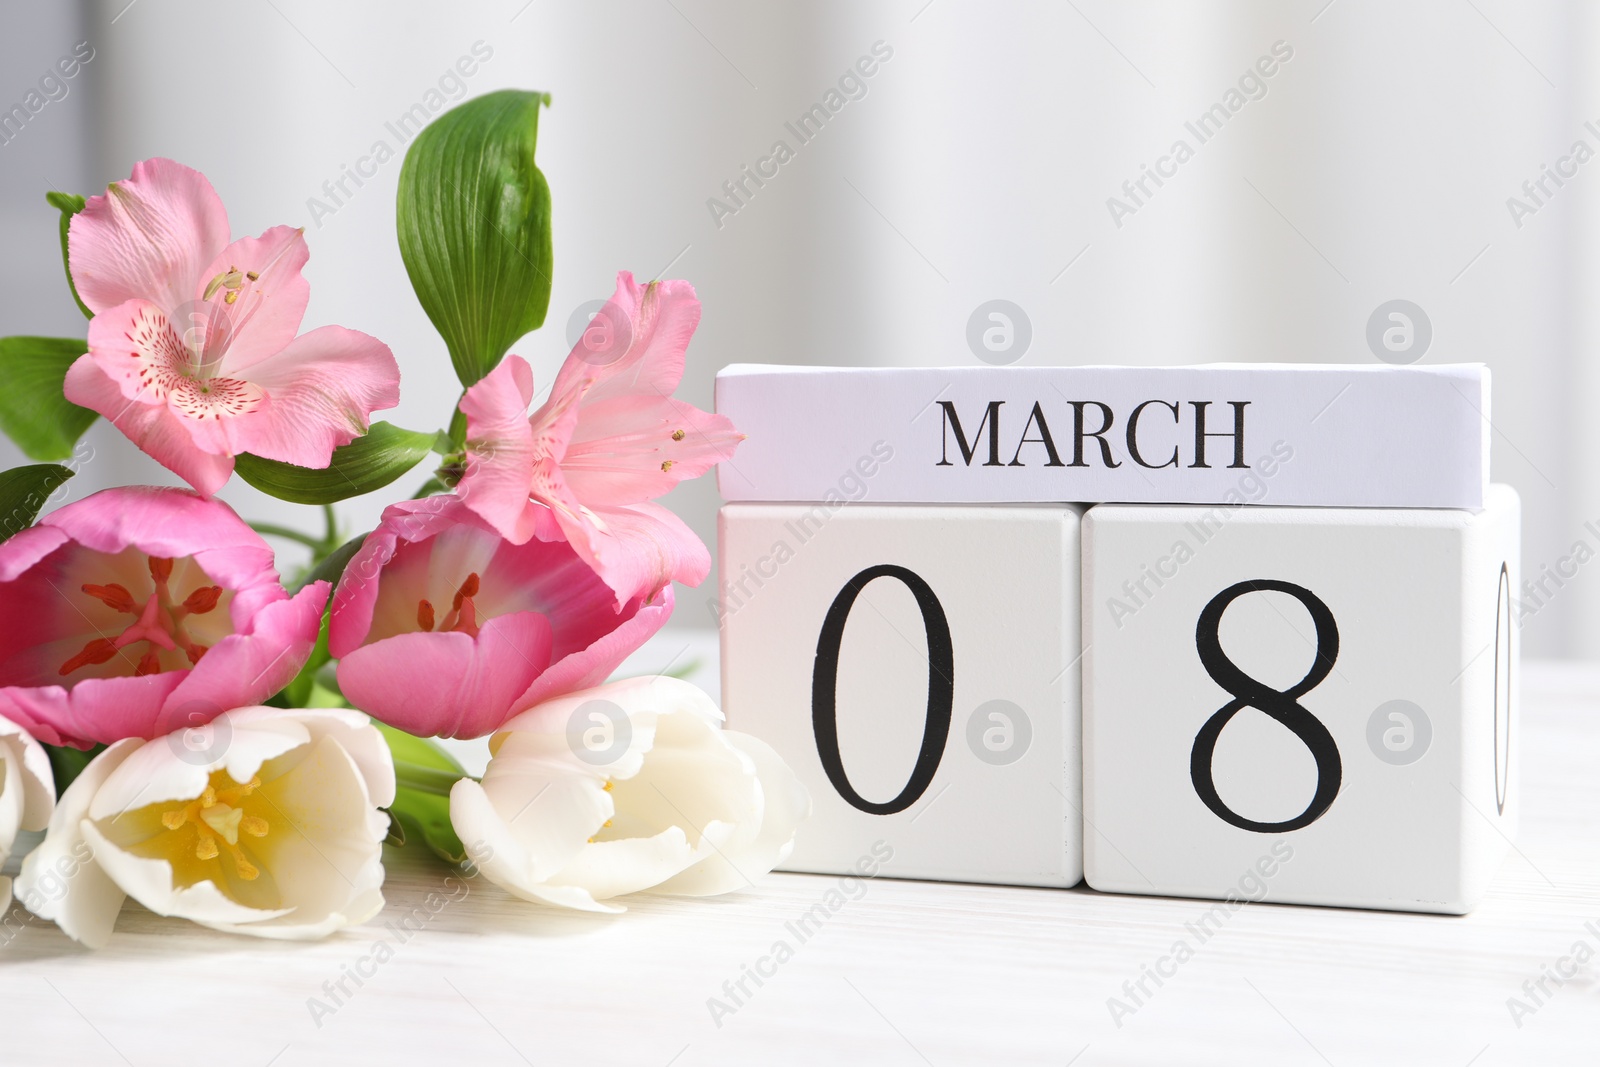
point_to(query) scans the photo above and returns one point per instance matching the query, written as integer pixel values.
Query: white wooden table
(905, 973)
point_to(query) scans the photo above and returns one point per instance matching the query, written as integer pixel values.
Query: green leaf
(69, 204)
(298, 692)
(33, 411)
(369, 462)
(421, 807)
(24, 492)
(332, 566)
(67, 763)
(473, 216)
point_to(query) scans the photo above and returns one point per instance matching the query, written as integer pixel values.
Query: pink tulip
(441, 626)
(192, 350)
(609, 440)
(139, 611)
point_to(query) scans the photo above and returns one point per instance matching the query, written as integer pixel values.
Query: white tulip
(263, 822)
(632, 786)
(27, 792)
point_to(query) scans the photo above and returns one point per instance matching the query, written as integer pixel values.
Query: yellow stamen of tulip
(218, 817)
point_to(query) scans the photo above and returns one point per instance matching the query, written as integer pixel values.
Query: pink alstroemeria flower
(441, 626)
(139, 611)
(192, 350)
(609, 440)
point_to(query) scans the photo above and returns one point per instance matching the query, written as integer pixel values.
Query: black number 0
(941, 689)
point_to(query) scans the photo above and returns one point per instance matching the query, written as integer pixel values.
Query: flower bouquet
(192, 732)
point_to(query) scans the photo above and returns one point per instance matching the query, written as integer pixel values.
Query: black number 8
(1283, 706)
(941, 689)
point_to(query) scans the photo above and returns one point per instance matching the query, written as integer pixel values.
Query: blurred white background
(1377, 165)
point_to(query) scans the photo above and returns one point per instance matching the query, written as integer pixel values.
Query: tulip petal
(93, 711)
(685, 805)
(321, 392)
(593, 664)
(28, 776)
(350, 728)
(325, 857)
(148, 237)
(27, 793)
(171, 523)
(448, 684)
(61, 879)
(642, 548)
(616, 868)
(149, 881)
(785, 804)
(496, 846)
(250, 665)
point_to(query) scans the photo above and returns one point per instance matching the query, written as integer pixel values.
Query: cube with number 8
(1304, 705)
(917, 667)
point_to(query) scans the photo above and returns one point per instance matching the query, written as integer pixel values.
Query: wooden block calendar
(1199, 689)
(917, 667)
(1334, 682)
(1351, 436)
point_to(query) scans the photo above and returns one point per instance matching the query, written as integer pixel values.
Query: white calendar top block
(1337, 436)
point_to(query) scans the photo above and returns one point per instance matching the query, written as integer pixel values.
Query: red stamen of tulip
(425, 615)
(113, 596)
(469, 588)
(203, 600)
(158, 622)
(98, 650)
(463, 616)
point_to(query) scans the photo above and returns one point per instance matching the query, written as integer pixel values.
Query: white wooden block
(918, 667)
(1341, 682)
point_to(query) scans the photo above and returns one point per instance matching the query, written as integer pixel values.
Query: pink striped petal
(149, 237)
(152, 426)
(266, 312)
(500, 449)
(630, 448)
(660, 318)
(321, 392)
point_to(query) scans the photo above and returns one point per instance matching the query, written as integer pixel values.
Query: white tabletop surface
(905, 973)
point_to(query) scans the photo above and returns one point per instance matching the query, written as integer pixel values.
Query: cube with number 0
(918, 667)
(1305, 705)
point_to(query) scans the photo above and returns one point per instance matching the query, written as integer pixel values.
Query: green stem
(268, 529)
(432, 780)
(458, 426)
(330, 539)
